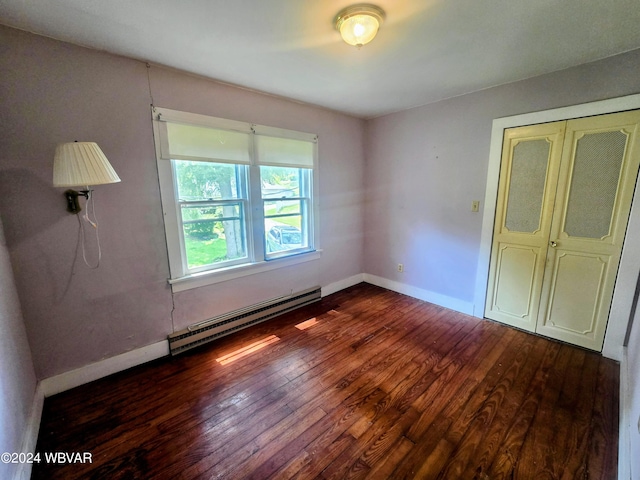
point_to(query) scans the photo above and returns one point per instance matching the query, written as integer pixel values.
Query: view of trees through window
(212, 199)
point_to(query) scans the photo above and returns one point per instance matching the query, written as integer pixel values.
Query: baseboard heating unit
(209, 330)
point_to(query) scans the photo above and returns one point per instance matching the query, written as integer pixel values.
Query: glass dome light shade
(359, 24)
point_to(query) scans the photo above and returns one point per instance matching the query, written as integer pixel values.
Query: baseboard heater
(209, 330)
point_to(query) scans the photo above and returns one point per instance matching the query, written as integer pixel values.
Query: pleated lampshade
(81, 164)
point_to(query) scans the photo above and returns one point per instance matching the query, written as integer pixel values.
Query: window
(234, 195)
(211, 197)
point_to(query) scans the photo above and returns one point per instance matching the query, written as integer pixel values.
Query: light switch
(475, 206)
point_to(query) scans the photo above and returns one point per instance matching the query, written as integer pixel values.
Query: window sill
(209, 278)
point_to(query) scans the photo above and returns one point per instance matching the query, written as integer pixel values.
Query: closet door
(528, 178)
(596, 183)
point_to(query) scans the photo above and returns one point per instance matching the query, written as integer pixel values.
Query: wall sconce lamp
(79, 164)
(358, 24)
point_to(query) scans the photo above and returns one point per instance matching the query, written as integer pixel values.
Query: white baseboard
(89, 373)
(80, 376)
(74, 378)
(419, 293)
(342, 284)
(624, 433)
(614, 352)
(30, 435)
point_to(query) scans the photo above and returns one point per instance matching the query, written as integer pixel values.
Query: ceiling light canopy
(358, 24)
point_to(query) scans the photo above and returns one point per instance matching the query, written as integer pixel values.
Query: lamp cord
(94, 224)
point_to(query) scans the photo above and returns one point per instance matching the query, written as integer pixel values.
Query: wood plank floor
(380, 386)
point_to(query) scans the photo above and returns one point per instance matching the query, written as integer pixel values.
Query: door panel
(529, 172)
(529, 162)
(594, 183)
(514, 298)
(576, 282)
(595, 187)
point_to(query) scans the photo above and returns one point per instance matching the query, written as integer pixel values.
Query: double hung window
(234, 194)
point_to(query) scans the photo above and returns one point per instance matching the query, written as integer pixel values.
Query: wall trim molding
(342, 284)
(80, 376)
(30, 434)
(421, 294)
(94, 371)
(624, 432)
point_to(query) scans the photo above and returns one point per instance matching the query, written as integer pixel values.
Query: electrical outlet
(400, 267)
(475, 206)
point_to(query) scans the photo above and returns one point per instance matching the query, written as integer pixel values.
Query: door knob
(553, 243)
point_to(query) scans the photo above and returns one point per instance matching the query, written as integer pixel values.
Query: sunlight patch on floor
(307, 323)
(249, 349)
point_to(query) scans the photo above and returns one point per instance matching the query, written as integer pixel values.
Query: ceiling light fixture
(358, 24)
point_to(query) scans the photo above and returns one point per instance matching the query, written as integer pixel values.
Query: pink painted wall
(341, 160)
(17, 376)
(54, 92)
(423, 168)
(426, 165)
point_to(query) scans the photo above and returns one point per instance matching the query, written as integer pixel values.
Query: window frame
(242, 200)
(305, 198)
(257, 260)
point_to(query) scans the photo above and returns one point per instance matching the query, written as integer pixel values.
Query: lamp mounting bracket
(73, 205)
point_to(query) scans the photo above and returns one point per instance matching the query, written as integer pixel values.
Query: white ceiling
(425, 51)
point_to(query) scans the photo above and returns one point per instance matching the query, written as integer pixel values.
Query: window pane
(280, 182)
(281, 236)
(282, 209)
(283, 225)
(207, 181)
(285, 199)
(213, 233)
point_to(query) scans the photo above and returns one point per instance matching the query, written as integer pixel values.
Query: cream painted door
(528, 178)
(598, 174)
(557, 245)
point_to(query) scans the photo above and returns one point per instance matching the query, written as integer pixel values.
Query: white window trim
(211, 277)
(257, 261)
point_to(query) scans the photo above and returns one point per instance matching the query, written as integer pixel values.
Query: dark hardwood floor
(381, 386)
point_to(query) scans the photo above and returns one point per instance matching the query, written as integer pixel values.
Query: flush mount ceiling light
(358, 24)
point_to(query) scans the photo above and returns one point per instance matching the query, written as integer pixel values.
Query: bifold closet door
(564, 199)
(597, 178)
(528, 178)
